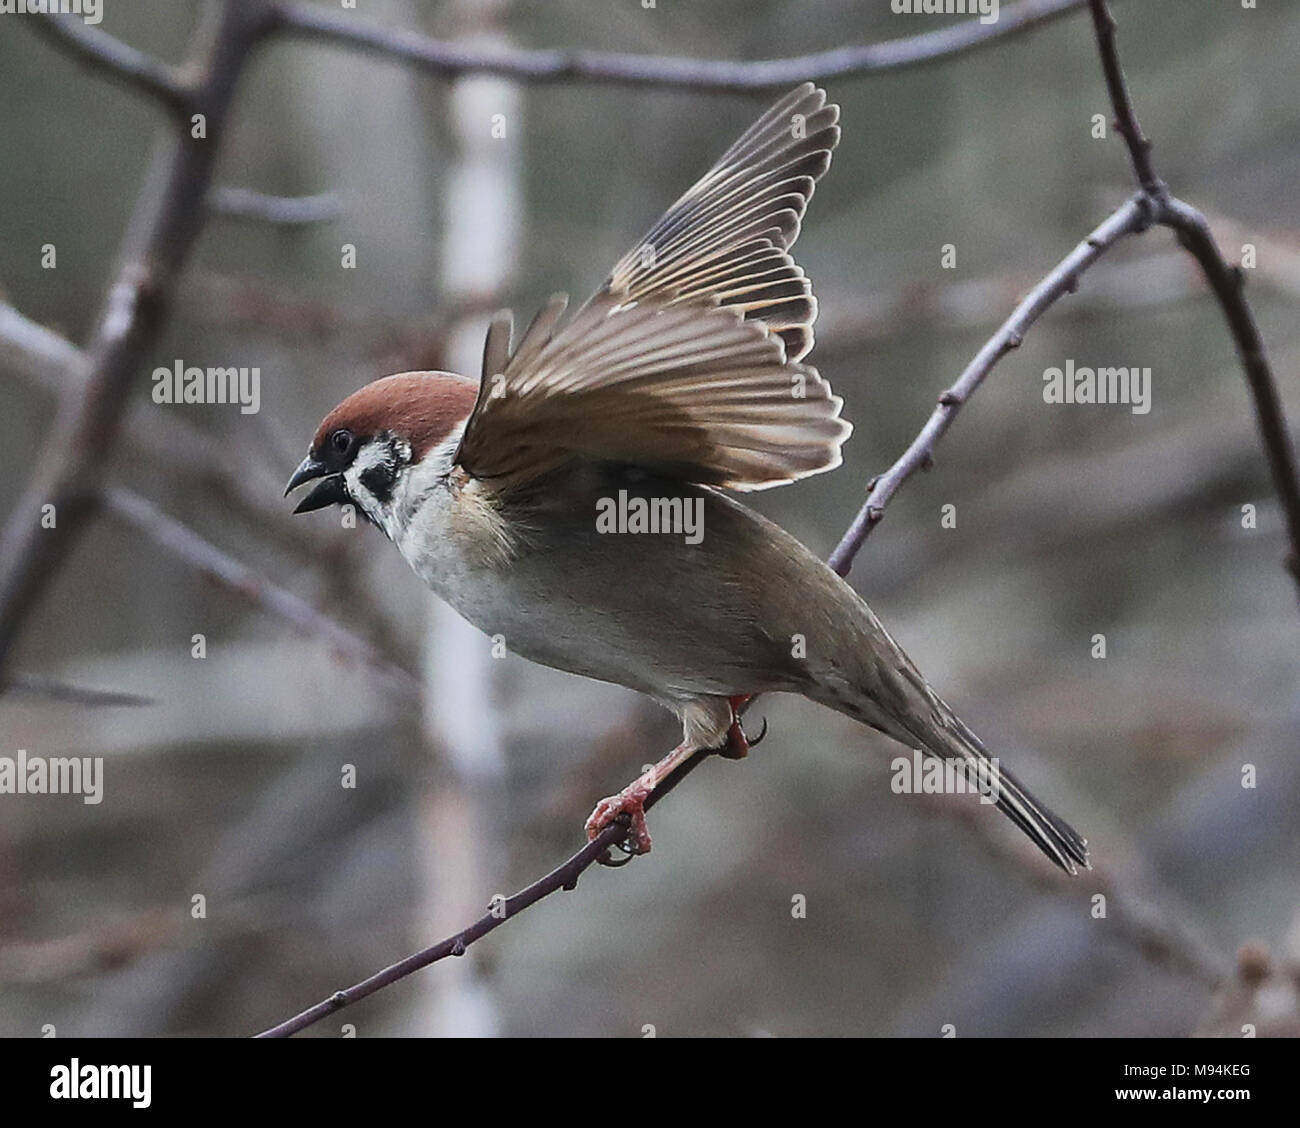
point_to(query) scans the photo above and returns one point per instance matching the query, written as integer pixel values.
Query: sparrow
(681, 379)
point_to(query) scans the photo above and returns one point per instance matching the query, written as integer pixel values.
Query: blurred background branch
(134, 316)
(289, 211)
(1227, 282)
(450, 60)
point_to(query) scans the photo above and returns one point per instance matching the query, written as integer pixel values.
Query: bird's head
(367, 448)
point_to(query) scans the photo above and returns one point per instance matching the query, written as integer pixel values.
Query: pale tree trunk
(463, 859)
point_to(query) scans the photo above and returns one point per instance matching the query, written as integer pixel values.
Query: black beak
(329, 491)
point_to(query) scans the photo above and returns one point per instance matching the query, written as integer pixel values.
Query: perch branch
(564, 876)
(451, 59)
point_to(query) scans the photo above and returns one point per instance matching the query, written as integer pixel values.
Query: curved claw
(606, 860)
(737, 743)
(627, 808)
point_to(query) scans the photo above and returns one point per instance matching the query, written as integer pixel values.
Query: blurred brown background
(1072, 521)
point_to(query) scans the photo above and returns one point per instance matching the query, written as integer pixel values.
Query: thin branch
(133, 317)
(1133, 217)
(1227, 283)
(1126, 122)
(564, 876)
(230, 573)
(102, 52)
(452, 59)
(284, 211)
(51, 689)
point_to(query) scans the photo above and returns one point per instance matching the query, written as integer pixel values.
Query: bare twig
(285, 211)
(450, 59)
(1126, 122)
(1227, 283)
(134, 315)
(51, 689)
(1134, 216)
(102, 52)
(564, 876)
(207, 559)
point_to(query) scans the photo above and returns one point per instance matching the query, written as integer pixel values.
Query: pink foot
(629, 801)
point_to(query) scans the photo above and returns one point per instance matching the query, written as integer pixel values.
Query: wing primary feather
(687, 360)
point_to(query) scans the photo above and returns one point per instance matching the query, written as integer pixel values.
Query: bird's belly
(590, 629)
(645, 610)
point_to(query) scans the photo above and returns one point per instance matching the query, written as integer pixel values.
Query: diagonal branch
(564, 876)
(207, 559)
(1133, 217)
(102, 52)
(1227, 282)
(451, 59)
(133, 318)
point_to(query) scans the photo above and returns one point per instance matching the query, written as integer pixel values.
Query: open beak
(329, 491)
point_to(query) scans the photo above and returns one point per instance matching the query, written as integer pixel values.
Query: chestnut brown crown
(409, 413)
(420, 408)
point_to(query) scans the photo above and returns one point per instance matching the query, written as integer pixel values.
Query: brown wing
(686, 360)
(692, 391)
(728, 238)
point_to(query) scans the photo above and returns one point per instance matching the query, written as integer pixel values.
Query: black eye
(341, 441)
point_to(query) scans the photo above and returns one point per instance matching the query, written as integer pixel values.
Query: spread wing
(687, 360)
(729, 237)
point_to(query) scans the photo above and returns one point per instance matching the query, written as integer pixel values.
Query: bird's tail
(1049, 832)
(922, 721)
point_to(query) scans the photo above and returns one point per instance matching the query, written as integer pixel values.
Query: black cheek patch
(379, 481)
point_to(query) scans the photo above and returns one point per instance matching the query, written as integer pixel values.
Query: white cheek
(359, 494)
(368, 457)
(420, 506)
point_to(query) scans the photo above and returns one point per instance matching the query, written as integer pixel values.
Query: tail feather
(921, 720)
(1049, 832)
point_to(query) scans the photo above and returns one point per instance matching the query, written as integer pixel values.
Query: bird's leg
(631, 801)
(737, 744)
